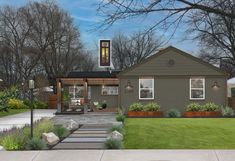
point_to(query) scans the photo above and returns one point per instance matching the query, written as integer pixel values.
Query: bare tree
(216, 34)
(170, 12)
(89, 62)
(212, 21)
(39, 39)
(129, 50)
(18, 61)
(56, 38)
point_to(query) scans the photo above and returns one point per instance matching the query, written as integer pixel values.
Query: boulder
(50, 138)
(116, 135)
(71, 125)
(2, 148)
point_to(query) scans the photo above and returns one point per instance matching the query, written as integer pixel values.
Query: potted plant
(104, 104)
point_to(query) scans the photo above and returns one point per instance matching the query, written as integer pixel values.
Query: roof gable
(172, 61)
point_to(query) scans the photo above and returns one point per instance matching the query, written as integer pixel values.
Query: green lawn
(12, 112)
(180, 133)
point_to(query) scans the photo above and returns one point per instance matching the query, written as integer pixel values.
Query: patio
(83, 92)
(89, 118)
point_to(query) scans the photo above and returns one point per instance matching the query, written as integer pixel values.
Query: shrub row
(14, 103)
(148, 107)
(225, 111)
(206, 107)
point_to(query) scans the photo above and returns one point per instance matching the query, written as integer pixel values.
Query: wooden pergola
(85, 82)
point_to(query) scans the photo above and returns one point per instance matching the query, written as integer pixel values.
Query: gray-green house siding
(172, 92)
(171, 80)
(111, 100)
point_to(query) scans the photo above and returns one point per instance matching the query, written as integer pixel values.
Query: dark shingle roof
(93, 74)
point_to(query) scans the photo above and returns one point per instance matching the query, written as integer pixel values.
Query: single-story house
(231, 87)
(171, 77)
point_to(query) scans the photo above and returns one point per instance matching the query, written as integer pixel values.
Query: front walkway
(119, 155)
(19, 120)
(86, 137)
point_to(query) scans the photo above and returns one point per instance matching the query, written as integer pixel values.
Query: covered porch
(82, 92)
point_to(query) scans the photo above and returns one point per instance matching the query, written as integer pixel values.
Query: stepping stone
(93, 129)
(79, 146)
(90, 132)
(88, 135)
(94, 126)
(84, 140)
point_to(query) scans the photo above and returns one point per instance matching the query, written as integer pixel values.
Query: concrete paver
(84, 140)
(159, 155)
(21, 119)
(69, 155)
(18, 155)
(119, 155)
(225, 155)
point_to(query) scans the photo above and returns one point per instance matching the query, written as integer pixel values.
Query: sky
(86, 18)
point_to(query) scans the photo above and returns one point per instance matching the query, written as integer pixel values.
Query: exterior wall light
(128, 87)
(215, 85)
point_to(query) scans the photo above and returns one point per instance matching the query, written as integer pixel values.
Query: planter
(145, 114)
(202, 114)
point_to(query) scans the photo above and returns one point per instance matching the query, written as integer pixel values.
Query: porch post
(58, 81)
(85, 95)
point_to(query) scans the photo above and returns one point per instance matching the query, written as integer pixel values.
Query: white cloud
(87, 19)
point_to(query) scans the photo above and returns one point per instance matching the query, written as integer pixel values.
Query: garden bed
(202, 114)
(145, 114)
(19, 138)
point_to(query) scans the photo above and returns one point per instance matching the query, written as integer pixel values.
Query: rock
(116, 135)
(50, 138)
(71, 125)
(2, 148)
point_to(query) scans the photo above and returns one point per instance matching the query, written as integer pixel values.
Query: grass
(180, 133)
(12, 112)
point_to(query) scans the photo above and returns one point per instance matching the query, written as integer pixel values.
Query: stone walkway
(89, 136)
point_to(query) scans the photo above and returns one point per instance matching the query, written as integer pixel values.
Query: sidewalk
(19, 120)
(119, 155)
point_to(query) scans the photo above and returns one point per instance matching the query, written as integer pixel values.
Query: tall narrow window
(105, 55)
(197, 88)
(146, 88)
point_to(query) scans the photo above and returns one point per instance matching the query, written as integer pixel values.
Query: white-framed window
(146, 88)
(109, 90)
(197, 88)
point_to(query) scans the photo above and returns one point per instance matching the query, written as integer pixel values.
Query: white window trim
(147, 88)
(116, 94)
(190, 89)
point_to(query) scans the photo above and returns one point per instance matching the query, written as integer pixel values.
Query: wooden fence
(231, 102)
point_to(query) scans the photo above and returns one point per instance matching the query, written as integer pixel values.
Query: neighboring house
(231, 87)
(171, 77)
